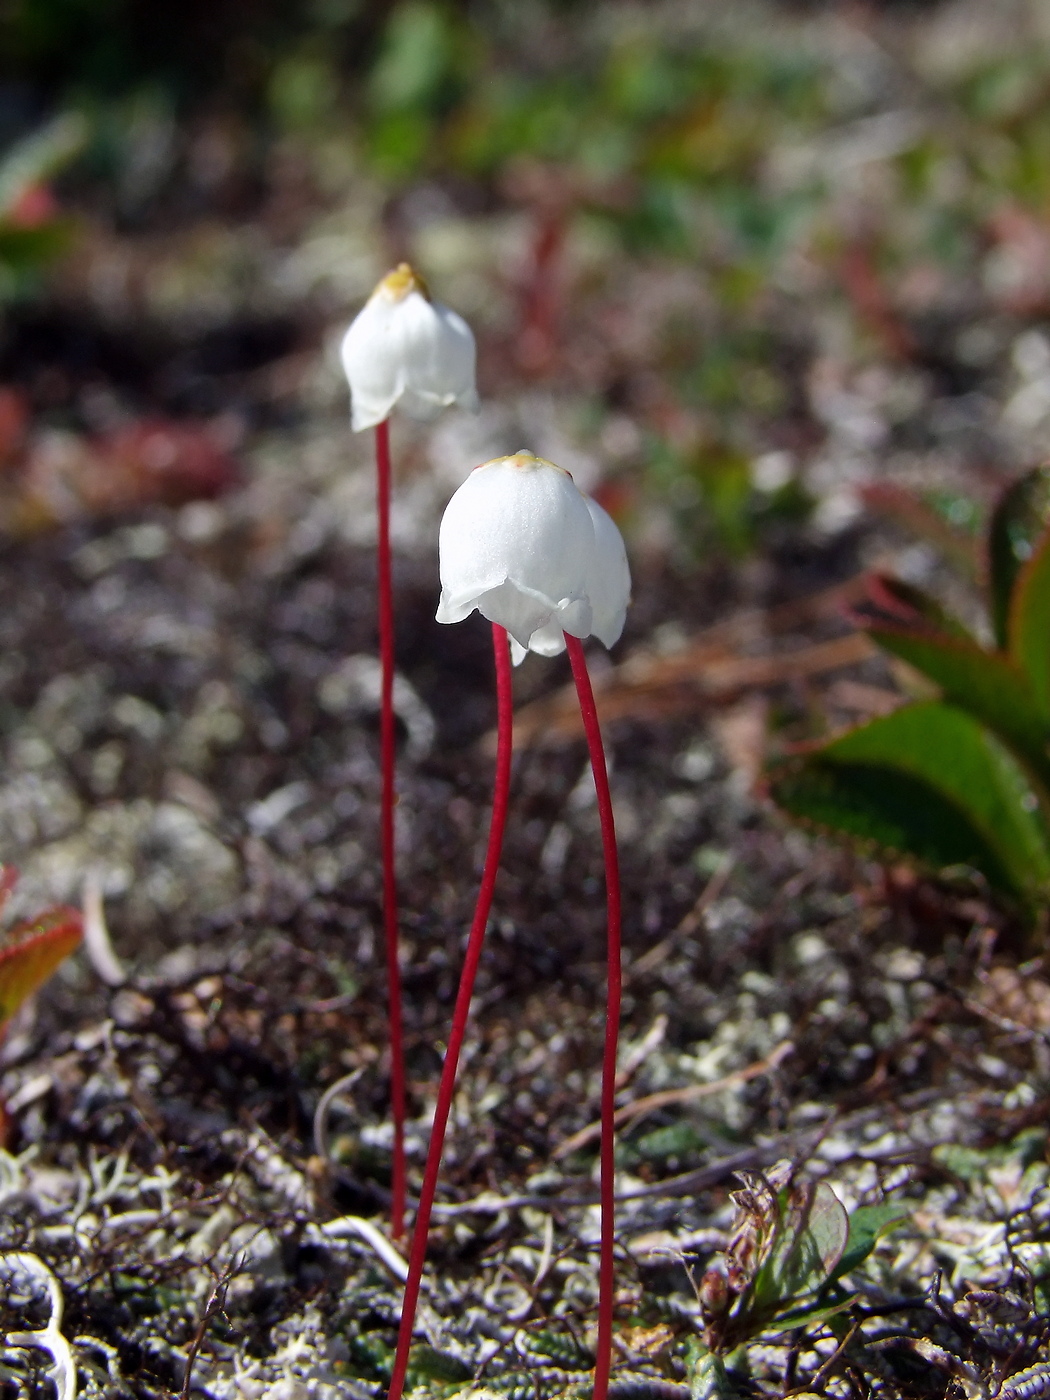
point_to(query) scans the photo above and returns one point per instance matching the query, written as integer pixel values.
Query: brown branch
(665, 1097)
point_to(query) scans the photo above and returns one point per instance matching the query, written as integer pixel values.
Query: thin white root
(50, 1339)
(324, 1109)
(345, 1225)
(97, 942)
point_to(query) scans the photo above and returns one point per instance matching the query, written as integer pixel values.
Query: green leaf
(927, 781)
(428, 1364)
(706, 1374)
(1018, 523)
(1029, 624)
(30, 248)
(809, 1315)
(416, 55)
(986, 684)
(867, 1225)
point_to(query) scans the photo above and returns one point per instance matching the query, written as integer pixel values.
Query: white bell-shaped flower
(405, 349)
(525, 547)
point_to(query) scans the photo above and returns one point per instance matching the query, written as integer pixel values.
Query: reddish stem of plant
(446, 1088)
(606, 1274)
(386, 827)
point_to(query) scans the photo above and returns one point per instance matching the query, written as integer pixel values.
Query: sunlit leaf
(827, 1227)
(33, 953)
(1018, 523)
(867, 1225)
(927, 781)
(812, 1234)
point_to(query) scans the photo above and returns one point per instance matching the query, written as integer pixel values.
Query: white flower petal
(522, 545)
(609, 577)
(548, 640)
(403, 349)
(518, 534)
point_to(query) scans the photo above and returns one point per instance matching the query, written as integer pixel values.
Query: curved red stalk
(500, 799)
(606, 1276)
(386, 826)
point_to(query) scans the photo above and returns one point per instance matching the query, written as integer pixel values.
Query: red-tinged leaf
(1030, 624)
(8, 880)
(14, 422)
(891, 602)
(1018, 524)
(929, 782)
(35, 205)
(159, 459)
(34, 952)
(155, 459)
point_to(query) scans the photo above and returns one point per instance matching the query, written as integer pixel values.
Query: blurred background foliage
(759, 275)
(825, 186)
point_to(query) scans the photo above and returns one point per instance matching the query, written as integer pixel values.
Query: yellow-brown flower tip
(526, 461)
(404, 279)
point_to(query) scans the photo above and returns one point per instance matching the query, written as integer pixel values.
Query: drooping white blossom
(525, 547)
(406, 350)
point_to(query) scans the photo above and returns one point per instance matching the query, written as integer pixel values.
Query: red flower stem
(500, 799)
(386, 827)
(606, 1276)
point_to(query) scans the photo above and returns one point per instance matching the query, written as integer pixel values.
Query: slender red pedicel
(500, 800)
(386, 827)
(606, 1276)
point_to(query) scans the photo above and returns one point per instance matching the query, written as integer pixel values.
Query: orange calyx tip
(404, 279)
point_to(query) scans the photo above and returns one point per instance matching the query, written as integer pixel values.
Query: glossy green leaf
(1018, 523)
(1030, 625)
(927, 781)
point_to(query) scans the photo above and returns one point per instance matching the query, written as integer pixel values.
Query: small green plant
(32, 230)
(792, 1243)
(961, 781)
